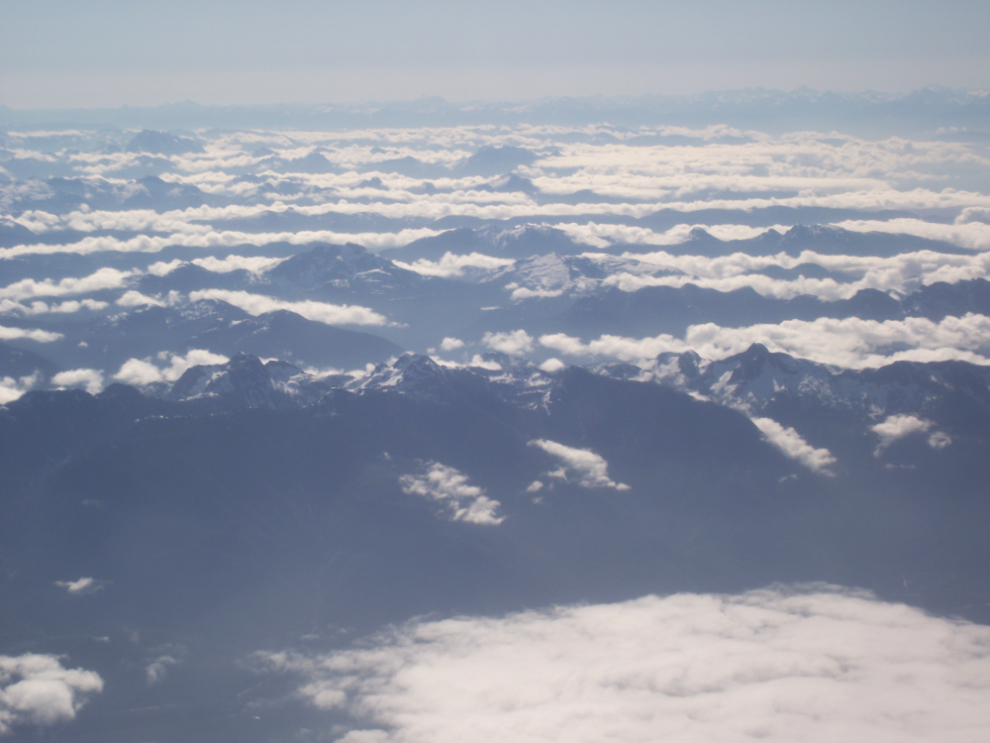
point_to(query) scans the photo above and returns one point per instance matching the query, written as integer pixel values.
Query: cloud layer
(811, 665)
(851, 343)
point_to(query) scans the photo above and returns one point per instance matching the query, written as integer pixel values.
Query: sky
(59, 54)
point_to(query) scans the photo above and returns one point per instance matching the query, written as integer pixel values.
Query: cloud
(253, 264)
(104, 278)
(40, 308)
(583, 466)
(36, 689)
(850, 343)
(257, 304)
(939, 440)
(91, 379)
(974, 235)
(451, 344)
(450, 487)
(896, 427)
(815, 664)
(552, 365)
(157, 670)
(135, 298)
(514, 343)
(12, 389)
(451, 265)
(222, 239)
(793, 446)
(605, 235)
(170, 366)
(161, 268)
(82, 586)
(40, 336)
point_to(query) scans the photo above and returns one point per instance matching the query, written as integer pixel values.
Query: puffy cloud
(583, 466)
(161, 268)
(40, 336)
(170, 366)
(451, 344)
(253, 264)
(449, 487)
(896, 427)
(851, 343)
(36, 689)
(257, 304)
(104, 278)
(939, 440)
(12, 389)
(818, 664)
(792, 445)
(91, 379)
(82, 586)
(552, 365)
(158, 668)
(514, 343)
(456, 265)
(135, 298)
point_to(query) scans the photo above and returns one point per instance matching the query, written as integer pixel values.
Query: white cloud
(450, 487)
(253, 264)
(257, 304)
(514, 343)
(939, 440)
(91, 379)
(158, 668)
(896, 427)
(135, 298)
(451, 344)
(223, 239)
(604, 235)
(850, 343)
(170, 366)
(456, 265)
(37, 689)
(82, 586)
(552, 365)
(818, 664)
(104, 278)
(40, 336)
(973, 235)
(587, 469)
(161, 268)
(13, 389)
(793, 446)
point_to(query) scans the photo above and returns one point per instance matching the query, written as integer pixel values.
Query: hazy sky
(70, 54)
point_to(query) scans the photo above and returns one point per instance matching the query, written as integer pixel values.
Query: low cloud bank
(819, 664)
(851, 343)
(451, 265)
(258, 304)
(36, 689)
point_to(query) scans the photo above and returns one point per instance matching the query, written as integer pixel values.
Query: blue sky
(69, 54)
